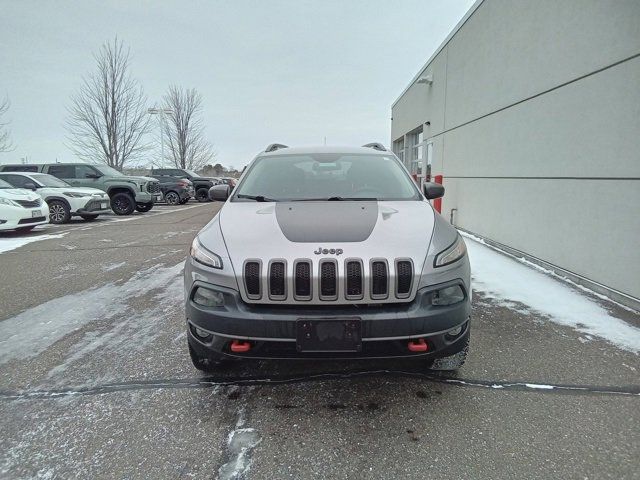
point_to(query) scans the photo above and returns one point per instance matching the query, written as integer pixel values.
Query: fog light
(208, 298)
(447, 296)
(201, 333)
(454, 332)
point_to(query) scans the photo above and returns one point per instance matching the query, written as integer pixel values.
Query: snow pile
(11, 243)
(514, 284)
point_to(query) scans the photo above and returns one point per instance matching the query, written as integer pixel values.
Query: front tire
(123, 204)
(144, 207)
(202, 195)
(172, 198)
(58, 212)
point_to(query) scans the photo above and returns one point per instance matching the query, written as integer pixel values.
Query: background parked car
(64, 200)
(21, 209)
(228, 181)
(176, 191)
(200, 184)
(127, 193)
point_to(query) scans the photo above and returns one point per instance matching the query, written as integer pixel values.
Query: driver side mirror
(219, 192)
(30, 186)
(92, 175)
(432, 190)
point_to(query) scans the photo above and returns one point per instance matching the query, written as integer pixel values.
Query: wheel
(206, 364)
(172, 198)
(202, 194)
(88, 217)
(144, 207)
(452, 362)
(25, 229)
(123, 204)
(59, 212)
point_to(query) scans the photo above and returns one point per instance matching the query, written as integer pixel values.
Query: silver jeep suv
(328, 252)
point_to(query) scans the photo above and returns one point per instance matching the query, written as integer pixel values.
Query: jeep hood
(293, 230)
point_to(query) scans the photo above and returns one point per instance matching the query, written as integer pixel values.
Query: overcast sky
(288, 71)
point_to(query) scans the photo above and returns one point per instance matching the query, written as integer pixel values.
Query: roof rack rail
(375, 146)
(275, 146)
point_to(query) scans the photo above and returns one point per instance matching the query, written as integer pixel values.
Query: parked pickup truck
(200, 184)
(126, 193)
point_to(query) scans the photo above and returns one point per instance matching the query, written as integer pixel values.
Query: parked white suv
(20, 209)
(64, 200)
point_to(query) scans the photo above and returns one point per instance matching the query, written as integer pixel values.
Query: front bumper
(386, 328)
(95, 206)
(18, 217)
(144, 197)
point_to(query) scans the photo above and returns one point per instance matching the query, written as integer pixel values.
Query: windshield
(4, 184)
(324, 176)
(49, 180)
(108, 171)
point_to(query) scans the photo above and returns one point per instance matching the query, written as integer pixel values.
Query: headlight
(76, 195)
(204, 256)
(6, 201)
(451, 254)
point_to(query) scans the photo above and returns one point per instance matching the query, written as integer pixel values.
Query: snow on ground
(33, 331)
(513, 284)
(11, 243)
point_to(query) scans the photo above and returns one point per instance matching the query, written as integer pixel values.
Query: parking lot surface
(96, 382)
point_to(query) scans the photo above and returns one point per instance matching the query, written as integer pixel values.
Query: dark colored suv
(176, 191)
(201, 185)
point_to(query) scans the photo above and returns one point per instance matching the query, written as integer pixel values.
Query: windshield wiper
(335, 199)
(257, 198)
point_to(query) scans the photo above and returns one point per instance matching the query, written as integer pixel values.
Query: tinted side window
(62, 171)
(18, 181)
(20, 168)
(177, 173)
(83, 170)
(158, 171)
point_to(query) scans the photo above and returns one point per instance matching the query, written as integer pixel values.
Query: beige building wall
(534, 112)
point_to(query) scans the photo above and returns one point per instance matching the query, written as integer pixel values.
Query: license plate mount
(36, 213)
(329, 335)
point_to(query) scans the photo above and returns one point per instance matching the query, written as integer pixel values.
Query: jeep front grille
(404, 278)
(252, 279)
(328, 280)
(302, 280)
(354, 279)
(277, 281)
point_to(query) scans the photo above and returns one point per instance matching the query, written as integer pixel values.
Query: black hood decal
(313, 222)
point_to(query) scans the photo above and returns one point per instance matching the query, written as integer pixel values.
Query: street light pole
(162, 112)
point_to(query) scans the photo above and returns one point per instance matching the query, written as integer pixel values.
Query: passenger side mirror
(432, 190)
(92, 175)
(219, 192)
(30, 186)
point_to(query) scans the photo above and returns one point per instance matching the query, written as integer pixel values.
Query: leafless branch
(184, 129)
(108, 117)
(6, 145)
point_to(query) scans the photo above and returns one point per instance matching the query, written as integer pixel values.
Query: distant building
(530, 111)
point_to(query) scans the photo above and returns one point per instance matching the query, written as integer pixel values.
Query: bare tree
(6, 145)
(184, 129)
(108, 117)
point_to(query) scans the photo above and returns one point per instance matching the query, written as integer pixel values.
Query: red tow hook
(418, 345)
(240, 346)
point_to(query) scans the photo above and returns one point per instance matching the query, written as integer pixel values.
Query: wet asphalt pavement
(96, 382)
